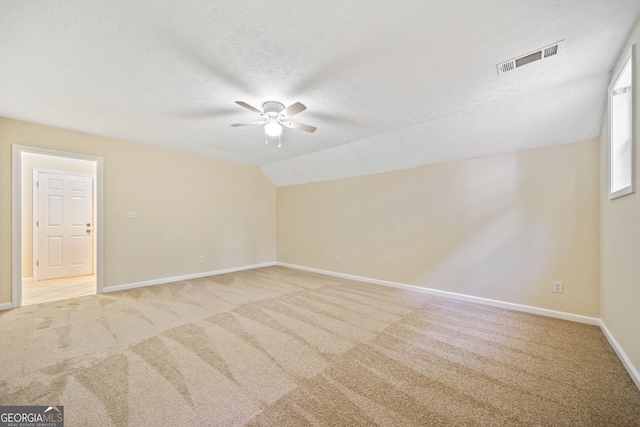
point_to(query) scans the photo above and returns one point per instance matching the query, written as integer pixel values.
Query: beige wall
(501, 227)
(620, 243)
(186, 205)
(31, 161)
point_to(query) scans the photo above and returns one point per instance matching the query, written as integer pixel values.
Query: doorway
(57, 209)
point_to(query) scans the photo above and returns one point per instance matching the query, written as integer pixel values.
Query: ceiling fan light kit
(273, 128)
(275, 116)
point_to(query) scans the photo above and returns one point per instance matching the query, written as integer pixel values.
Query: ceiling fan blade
(257, 122)
(249, 107)
(299, 126)
(293, 109)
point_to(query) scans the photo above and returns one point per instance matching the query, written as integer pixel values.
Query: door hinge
(38, 184)
(37, 223)
(37, 263)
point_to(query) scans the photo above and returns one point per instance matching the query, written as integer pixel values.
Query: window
(621, 128)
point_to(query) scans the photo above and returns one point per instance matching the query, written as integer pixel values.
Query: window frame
(628, 58)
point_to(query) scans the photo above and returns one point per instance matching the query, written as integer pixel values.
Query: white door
(65, 224)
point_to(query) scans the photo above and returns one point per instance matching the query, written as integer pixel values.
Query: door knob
(88, 224)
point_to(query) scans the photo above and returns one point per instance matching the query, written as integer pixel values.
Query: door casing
(16, 215)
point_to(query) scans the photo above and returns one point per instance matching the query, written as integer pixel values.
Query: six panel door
(65, 225)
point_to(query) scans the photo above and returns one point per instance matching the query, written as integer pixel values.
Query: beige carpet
(281, 347)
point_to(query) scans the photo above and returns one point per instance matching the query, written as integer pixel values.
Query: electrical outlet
(557, 287)
(368, 263)
(201, 258)
(337, 259)
(131, 214)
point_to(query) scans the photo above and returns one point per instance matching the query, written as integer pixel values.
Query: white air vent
(542, 53)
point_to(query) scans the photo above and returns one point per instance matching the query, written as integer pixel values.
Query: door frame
(36, 214)
(16, 215)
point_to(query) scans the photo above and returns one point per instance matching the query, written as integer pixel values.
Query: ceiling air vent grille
(542, 53)
(551, 51)
(507, 66)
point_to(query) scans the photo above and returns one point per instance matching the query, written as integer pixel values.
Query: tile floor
(57, 289)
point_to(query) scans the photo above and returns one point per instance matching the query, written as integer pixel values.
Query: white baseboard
(27, 279)
(116, 288)
(486, 301)
(6, 306)
(633, 372)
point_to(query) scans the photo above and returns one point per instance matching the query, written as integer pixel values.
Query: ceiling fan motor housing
(272, 107)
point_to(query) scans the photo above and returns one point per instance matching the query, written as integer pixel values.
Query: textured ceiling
(388, 84)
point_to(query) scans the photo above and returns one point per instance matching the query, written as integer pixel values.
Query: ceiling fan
(274, 116)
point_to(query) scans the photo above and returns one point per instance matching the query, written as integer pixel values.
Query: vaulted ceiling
(389, 85)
